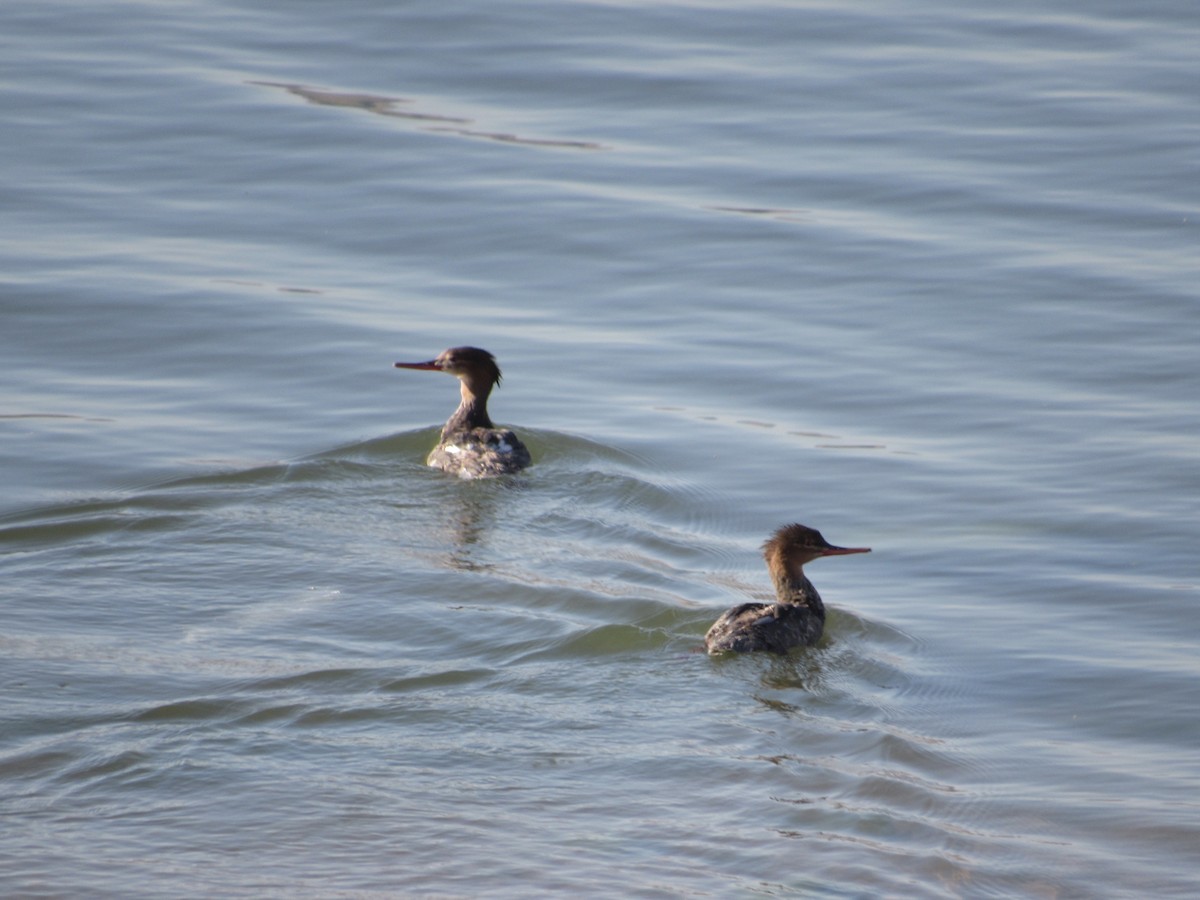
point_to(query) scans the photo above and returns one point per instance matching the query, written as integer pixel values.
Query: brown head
(475, 368)
(467, 363)
(789, 548)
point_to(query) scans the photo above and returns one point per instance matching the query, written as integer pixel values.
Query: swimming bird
(471, 446)
(797, 617)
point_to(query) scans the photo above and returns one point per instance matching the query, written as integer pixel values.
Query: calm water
(924, 276)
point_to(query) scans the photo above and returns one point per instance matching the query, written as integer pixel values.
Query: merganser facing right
(471, 446)
(797, 618)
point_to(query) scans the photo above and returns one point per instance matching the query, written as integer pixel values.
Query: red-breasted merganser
(471, 446)
(797, 617)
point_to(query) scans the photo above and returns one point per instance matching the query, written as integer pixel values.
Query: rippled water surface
(924, 277)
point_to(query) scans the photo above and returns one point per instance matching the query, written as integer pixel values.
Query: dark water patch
(434, 123)
(193, 711)
(446, 679)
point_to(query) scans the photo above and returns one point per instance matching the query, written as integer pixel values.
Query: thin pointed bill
(843, 551)
(430, 366)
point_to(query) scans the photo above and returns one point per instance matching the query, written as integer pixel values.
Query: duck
(471, 445)
(797, 616)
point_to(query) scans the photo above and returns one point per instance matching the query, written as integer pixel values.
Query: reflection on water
(470, 516)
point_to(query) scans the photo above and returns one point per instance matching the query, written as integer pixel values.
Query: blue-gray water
(924, 276)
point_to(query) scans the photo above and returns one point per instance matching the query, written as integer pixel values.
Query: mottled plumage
(471, 446)
(797, 617)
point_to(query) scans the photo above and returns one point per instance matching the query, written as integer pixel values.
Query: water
(923, 277)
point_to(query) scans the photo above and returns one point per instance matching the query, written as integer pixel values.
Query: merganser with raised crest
(471, 446)
(797, 617)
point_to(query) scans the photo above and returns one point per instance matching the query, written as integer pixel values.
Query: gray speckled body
(797, 617)
(480, 453)
(775, 627)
